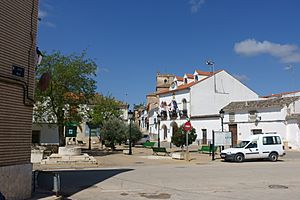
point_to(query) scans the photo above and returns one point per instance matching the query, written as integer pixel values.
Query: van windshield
(242, 144)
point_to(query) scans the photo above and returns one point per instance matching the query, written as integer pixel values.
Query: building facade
(198, 96)
(276, 114)
(18, 22)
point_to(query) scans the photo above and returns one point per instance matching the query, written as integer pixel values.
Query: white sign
(222, 138)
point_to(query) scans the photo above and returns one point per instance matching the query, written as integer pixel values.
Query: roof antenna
(211, 63)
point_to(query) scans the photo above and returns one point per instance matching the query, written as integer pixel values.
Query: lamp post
(130, 116)
(222, 117)
(158, 132)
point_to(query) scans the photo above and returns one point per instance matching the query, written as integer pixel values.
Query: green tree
(71, 84)
(113, 132)
(136, 133)
(104, 108)
(179, 137)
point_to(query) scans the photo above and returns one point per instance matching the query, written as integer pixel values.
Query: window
(204, 136)
(252, 116)
(36, 137)
(185, 80)
(196, 78)
(231, 117)
(184, 104)
(271, 140)
(256, 131)
(252, 145)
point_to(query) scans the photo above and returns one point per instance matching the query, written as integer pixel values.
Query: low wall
(15, 181)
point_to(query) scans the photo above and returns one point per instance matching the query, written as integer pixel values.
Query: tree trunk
(61, 135)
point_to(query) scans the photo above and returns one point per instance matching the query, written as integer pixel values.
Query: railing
(183, 114)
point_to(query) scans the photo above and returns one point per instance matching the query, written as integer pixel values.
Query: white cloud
(45, 13)
(196, 5)
(49, 24)
(42, 14)
(241, 77)
(289, 68)
(287, 53)
(103, 69)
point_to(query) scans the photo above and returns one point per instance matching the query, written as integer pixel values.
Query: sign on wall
(71, 131)
(222, 138)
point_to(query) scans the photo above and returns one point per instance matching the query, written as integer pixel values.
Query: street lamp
(158, 132)
(130, 117)
(222, 117)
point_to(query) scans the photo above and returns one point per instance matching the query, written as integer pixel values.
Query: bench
(157, 150)
(148, 144)
(206, 149)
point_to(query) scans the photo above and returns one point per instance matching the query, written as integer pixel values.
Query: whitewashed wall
(205, 101)
(48, 133)
(209, 125)
(244, 129)
(272, 120)
(293, 136)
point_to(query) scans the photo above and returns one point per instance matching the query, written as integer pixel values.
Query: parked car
(261, 146)
(145, 138)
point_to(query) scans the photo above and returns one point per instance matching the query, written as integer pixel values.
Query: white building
(277, 114)
(199, 97)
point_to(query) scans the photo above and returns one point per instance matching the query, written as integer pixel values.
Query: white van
(259, 146)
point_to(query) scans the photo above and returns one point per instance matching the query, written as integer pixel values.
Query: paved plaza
(143, 176)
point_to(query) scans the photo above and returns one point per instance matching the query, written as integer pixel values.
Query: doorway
(233, 130)
(174, 127)
(165, 130)
(204, 136)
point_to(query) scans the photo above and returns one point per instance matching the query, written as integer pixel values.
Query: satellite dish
(44, 81)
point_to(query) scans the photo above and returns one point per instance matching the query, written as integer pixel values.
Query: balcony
(183, 114)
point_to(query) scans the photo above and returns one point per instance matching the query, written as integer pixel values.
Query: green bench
(148, 144)
(157, 150)
(206, 149)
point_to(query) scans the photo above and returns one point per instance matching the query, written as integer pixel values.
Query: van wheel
(273, 157)
(239, 157)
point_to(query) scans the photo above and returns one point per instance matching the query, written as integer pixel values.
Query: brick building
(18, 28)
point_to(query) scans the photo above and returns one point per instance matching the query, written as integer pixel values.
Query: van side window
(270, 140)
(252, 145)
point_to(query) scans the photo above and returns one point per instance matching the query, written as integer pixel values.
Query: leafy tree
(179, 137)
(71, 85)
(136, 133)
(104, 108)
(113, 132)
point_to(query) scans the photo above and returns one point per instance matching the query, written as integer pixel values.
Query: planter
(36, 155)
(69, 151)
(126, 151)
(178, 155)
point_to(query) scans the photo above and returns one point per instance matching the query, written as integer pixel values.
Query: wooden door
(233, 130)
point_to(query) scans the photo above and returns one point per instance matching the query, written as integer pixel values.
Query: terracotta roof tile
(190, 76)
(199, 72)
(185, 86)
(280, 94)
(179, 78)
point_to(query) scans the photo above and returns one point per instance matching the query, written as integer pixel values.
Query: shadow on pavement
(72, 181)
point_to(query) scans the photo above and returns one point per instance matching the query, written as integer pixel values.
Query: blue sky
(131, 40)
